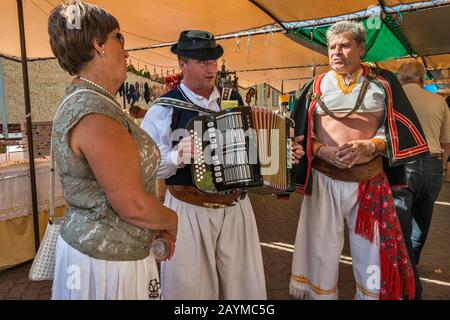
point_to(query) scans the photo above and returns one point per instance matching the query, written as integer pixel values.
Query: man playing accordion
(218, 255)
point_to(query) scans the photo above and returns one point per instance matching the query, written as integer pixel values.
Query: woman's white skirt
(80, 277)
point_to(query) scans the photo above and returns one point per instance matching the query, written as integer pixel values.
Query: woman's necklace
(100, 87)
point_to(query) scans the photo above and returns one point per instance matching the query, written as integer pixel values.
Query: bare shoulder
(97, 132)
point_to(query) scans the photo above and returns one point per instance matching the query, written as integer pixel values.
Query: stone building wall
(48, 83)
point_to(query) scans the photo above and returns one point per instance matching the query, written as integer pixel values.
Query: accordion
(242, 148)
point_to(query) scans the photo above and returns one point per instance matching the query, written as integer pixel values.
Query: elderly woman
(107, 166)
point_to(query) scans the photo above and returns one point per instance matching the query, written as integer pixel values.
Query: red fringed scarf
(376, 208)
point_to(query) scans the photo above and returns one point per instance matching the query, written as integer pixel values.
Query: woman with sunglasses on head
(107, 166)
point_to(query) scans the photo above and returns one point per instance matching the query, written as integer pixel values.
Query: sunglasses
(121, 39)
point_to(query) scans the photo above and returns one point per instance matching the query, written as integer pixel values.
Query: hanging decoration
(147, 92)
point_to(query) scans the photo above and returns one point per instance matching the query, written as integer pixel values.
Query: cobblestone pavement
(277, 222)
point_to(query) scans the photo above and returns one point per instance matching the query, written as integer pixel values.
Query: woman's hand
(163, 234)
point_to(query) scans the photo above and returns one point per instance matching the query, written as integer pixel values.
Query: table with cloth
(16, 218)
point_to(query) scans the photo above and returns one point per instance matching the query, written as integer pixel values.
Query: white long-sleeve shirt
(157, 122)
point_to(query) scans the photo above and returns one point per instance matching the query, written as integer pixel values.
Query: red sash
(376, 209)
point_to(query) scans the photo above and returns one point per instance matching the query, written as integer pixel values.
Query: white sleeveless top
(339, 98)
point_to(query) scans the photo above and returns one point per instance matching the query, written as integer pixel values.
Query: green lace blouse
(91, 225)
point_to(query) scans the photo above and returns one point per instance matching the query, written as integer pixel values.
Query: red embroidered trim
(392, 115)
(316, 90)
(410, 125)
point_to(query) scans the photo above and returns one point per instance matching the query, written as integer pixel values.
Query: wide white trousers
(80, 277)
(217, 254)
(320, 240)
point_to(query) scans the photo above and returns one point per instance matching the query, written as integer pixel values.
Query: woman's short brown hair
(73, 26)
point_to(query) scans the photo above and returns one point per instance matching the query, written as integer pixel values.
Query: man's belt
(436, 155)
(193, 196)
(357, 173)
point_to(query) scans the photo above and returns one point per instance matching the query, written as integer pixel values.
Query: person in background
(425, 175)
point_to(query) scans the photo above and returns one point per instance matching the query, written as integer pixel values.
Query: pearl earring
(103, 51)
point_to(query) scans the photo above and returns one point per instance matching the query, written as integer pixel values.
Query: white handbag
(43, 267)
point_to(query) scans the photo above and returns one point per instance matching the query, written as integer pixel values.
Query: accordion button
(216, 168)
(212, 135)
(219, 179)
(218, 174)
(210, 124)
(216, 163)
(215, 158)
(214, 146)
(211, 129)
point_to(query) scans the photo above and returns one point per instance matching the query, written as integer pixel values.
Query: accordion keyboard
(244, 148)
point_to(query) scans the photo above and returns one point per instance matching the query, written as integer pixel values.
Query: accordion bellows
(244, 147)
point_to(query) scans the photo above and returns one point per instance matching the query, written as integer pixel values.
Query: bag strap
(359, 100)
(52, 159)
(170, 102)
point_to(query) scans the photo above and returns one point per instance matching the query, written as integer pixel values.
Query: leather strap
(181, 104)
(357, 173)
(359, 100)
(193, 196)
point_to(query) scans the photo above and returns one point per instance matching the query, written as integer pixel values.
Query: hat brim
(198, 54)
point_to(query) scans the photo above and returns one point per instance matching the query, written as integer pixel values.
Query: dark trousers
(403, 199)
(415, 204)
(425, 178)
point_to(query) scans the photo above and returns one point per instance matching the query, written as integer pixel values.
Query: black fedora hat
(197, 44)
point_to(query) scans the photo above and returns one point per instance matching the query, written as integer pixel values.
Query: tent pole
(26, 90)
(3, 103)
(382, 6)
